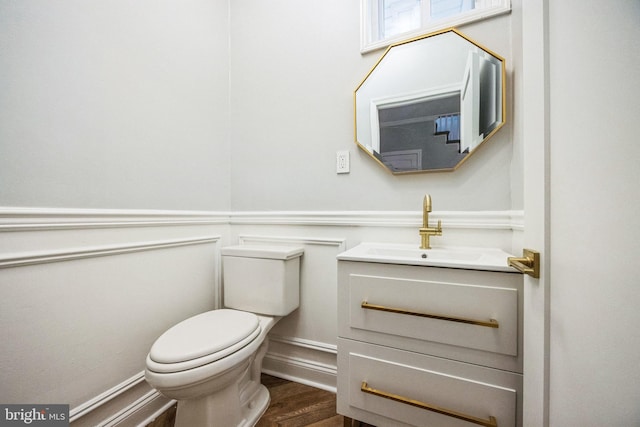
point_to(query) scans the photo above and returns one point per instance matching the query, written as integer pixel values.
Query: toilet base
(223, 409)
(233, 397)
(239, 404)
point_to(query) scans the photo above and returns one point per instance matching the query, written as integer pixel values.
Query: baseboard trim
(132, 401)
(137, 413)
(315, 375)
(101, 399)
(159, 411)
(305, 367)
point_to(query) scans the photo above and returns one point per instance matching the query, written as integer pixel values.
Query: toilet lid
(205, 334)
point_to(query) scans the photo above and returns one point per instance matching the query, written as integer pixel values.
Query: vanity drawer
(385, 386)
(464, 315)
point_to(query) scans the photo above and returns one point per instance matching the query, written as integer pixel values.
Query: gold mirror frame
(405, 107)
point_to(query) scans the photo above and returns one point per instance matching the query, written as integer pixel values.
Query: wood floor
(292, 405)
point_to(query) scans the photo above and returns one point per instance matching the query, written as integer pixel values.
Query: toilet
(211, 362)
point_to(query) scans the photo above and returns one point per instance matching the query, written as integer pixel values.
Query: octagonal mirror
(429, 103)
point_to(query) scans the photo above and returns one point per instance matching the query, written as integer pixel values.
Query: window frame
(370, 17)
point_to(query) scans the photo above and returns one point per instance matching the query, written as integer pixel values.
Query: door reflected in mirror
(429, 102)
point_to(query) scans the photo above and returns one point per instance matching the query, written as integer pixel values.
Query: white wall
(125, 105)
(594, 90)
(83, 295)
(294, 67)
(114, 104)
(119, 105)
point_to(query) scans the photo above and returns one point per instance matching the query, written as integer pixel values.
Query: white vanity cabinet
(429, 346)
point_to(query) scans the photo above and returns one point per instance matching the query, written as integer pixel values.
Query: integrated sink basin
(452, 257)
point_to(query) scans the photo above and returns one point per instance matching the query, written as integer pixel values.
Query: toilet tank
(262, 279)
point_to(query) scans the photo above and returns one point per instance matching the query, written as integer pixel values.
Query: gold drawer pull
(491, 422)
(492, 323)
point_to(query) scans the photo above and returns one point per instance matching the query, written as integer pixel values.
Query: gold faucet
(426, 231)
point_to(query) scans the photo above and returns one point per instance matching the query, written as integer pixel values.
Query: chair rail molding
(503, 220)
(28, 219)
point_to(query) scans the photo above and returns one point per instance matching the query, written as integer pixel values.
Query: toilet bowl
(211, 362)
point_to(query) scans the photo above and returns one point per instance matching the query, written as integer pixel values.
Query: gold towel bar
(491, 422)
(492, 323)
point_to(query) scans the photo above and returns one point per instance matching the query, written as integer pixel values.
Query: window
(387, 21)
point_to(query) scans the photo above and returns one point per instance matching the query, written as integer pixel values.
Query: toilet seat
(202, 339)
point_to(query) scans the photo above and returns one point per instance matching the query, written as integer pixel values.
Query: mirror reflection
(428, 103)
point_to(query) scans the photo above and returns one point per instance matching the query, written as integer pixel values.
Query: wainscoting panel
(302, 345)
(84, 293)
